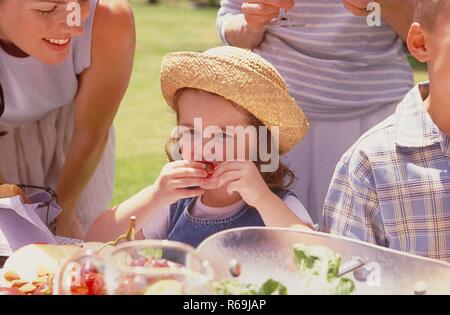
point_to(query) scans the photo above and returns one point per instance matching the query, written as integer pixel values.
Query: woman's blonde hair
(282, 178)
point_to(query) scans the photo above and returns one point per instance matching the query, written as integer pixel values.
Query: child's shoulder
(379, 141)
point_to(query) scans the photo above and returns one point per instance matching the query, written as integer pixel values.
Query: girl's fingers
(189, 193)
(227, 167)
(219, 182)
(189, 172)
(233, 187)
(185, 163)
(187, 182)
(228, 177)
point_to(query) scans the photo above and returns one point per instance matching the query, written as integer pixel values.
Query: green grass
(144, 121)
(420, 70)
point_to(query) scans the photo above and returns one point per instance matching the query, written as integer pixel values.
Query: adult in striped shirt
(346, 75)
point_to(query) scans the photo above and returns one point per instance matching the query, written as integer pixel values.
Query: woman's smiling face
(40, 28)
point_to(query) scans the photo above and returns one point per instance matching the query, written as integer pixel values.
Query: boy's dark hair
(428, 12)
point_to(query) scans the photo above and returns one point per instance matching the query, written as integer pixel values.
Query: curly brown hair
(282, 178)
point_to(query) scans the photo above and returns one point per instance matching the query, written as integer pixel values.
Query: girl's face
(40, 28)
(215, 114)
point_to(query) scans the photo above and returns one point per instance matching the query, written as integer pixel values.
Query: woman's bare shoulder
(114, 17)
(113, 31)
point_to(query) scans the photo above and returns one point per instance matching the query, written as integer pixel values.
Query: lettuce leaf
(236, 287)
(322, 262)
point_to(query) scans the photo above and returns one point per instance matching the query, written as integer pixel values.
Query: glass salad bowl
(157, 268)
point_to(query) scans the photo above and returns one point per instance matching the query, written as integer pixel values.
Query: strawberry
(79, 290)
(209, 168)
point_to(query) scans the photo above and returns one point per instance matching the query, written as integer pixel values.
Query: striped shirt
(336, 66)
(392, 188)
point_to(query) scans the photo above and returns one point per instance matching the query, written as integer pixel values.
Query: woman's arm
(101, 89)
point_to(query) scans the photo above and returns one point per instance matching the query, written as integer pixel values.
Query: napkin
(22, 224)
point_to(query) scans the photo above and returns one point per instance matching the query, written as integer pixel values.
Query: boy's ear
(417, 43)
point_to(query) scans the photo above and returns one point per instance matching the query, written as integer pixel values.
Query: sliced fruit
(40, 280)
(79, 290)
(10, 291)
(43, 289)
(209, 168)
(141, 261)
(42, 271)
(18, 283)
(27, 288)
(11, 276)
(95, 284)
(31, 260)
(88, 268)
(165, 287)
(159, 263)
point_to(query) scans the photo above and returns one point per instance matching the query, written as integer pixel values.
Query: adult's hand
(247, 28)
(259, 13)
(357, 7)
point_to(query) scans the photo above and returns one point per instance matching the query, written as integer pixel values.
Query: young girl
(222, 87)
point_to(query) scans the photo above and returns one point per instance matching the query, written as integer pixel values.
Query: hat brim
(239, 84)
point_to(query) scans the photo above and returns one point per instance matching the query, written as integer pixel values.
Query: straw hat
(242, 77)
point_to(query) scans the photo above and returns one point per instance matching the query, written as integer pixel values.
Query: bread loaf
(9, 191)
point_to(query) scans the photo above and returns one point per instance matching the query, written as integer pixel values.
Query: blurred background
(144, 121)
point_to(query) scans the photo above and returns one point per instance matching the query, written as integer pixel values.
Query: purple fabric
(23, 224)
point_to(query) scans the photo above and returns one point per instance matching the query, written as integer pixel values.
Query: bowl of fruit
(83, 274)
(153, 267)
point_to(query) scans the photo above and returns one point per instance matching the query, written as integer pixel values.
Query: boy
(392, 188)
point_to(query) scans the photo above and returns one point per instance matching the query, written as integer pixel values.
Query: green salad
(319, 267)
(236, 287)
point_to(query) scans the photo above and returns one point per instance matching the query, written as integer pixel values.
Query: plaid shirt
(392, 188)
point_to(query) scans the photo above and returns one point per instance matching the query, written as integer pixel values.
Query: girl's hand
(244, 178)
(180, 180)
